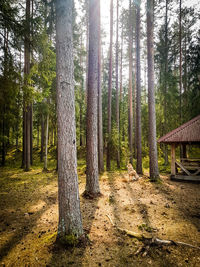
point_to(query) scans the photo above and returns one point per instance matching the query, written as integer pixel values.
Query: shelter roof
(188, 132)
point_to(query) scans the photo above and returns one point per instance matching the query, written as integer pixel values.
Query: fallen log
(150, 240)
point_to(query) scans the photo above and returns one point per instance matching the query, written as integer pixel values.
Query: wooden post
(173, 159)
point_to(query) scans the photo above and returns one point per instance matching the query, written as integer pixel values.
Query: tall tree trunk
(81, 99)
(117, 85)
(110, 88)
(154, 173)
(26, 73)
(31, 105)
(87, 47)
(130, 103)
(180, 58)
(135, 108)
(100, 121)
(70, 221)
(135, 85)
(166, 82)
(46, 143)
(4, 105)
(92, 178)
(138, 99)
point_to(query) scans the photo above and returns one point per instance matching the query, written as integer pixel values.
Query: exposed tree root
(88, 195)
(149, 240)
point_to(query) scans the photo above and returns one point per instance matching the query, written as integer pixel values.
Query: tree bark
(121, 66)
(38, 133)
(87, 47)
(166, 161)
(117, 86)
(31, 134)
(26, 73)
(92, 178)
(100, 120)
(42, 138)
(138, 99)
(110, 89)
(46, 142)
(154, 173)
(81, 99)
(130, 103)
(70, 221)
(135, 111)
(180, 58)
(3, 141)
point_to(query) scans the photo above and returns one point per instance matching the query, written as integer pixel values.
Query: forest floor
(29, 217)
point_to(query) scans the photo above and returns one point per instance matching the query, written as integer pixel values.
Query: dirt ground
(29, 217)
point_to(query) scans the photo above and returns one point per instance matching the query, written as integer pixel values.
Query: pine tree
(154, 174)
(70, 222)
(138, 97)
(92, 180)
(110, 89)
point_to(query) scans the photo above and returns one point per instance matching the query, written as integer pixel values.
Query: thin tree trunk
(81, 122)
(110, 89)
(17, 138)
(180, 58)
(42, 139)
(135, 88)
(100, 121)
(154, 173)
(135, 108)
(38, 134)
(3, 141)
(54, 139)
(46, 143)
(4, 106)
(70, 221)
(27, 140)
(138, 99)
(130, 103)
(117, 85)
(92, 178)
(87, 47)
(26, 72)
(23, 137)
(121, 66)
(31, 134)
(166, 82)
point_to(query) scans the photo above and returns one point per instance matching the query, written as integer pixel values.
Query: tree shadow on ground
(18, 195)
(184, 196)
(22, 228)
(159, 255)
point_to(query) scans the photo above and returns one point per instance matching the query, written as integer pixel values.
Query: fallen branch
(149, 240)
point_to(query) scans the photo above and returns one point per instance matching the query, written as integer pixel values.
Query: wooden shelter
(186, 134)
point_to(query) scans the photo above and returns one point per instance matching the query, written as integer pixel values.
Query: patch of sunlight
(37, 206)
(180, 229)
(49, 188)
